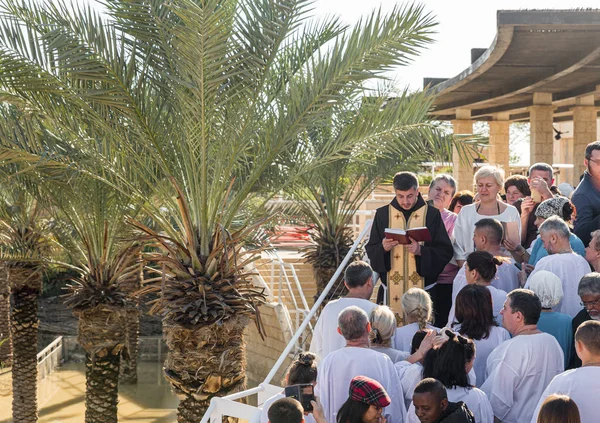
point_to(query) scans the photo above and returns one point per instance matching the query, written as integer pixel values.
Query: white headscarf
(548, 287)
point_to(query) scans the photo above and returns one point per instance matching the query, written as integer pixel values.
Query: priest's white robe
(582, 386)
(518, 371)
(326, 338)
(475, 399)
(337, 370)
(404, 335)
(570, 268)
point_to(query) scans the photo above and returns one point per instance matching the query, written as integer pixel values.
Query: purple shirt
(451, 269)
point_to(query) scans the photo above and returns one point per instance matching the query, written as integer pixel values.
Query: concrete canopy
(554, 52)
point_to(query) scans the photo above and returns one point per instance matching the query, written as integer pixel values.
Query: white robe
(326, 338)
(264, 416)
(498, 299)
(518, 371)
(465, 227)
(411, 374)
(337, 370)
(484, 348)
(570, 268)
(582, 386)
(404, 335)
(475, 399)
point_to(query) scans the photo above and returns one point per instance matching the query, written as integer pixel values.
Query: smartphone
(303, 392)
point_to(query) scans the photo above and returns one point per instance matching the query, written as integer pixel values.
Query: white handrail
(214, 401)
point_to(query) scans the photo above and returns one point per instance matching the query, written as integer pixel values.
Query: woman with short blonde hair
(489, 181)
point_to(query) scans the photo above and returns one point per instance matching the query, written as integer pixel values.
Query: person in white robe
(480, 269)
(417, 308)
(303, 370)
(563, 262)
(582, 385)
(358, 278)
(519, 369)
(357, 359)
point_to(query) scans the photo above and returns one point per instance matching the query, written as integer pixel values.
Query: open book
(402, 236)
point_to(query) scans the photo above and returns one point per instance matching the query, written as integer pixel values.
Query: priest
(402, 267)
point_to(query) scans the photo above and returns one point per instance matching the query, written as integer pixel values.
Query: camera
(303, 393)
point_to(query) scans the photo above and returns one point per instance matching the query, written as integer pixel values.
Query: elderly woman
(548, 287)
(557, 206)
(516, 187)
(489, 181)
(441, 192)
(383, 326)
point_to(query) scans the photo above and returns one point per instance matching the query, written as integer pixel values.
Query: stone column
(498, 154)
(462, 166)
(584, 132)
(541, 132)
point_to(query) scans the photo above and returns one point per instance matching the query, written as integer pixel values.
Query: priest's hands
(414, 247)
(388, 243)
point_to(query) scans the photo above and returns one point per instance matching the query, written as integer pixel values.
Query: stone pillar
(541, 132)
(462, 166)
(499, 153)
(584, 132)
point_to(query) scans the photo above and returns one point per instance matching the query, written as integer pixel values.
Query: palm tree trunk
(129, 355)
(101, 334)
(26, 286)
(203, 363)
(6, 347)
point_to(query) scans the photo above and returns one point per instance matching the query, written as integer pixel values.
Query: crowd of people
(475, 324)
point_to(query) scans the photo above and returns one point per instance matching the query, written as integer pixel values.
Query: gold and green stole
(403, 273)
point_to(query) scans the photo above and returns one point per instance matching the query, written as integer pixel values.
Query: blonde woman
(489, 181)
(383, 325)
(418, 311)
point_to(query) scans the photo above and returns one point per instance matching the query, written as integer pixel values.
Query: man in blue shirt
(586, 197)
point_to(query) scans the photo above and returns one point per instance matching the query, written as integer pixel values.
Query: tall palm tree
(6, 346)
(211, 103)
(24, 242)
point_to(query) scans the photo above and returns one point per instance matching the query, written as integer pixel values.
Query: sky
(463, 25)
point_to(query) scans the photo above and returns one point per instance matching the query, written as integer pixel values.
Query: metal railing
(227, 406)
(50, 358)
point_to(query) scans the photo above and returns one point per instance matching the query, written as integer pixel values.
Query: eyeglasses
(597, 161)
(588, 304)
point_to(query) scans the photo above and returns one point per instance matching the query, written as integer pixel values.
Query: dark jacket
(582, 316)
(586, 199)
(457, 412)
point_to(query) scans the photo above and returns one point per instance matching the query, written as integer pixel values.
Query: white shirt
(518, 371)
(570, 268)
(326, 338)
(582, 386)
(465, 227)
(484, 348)
(337, 370)
(404, 335)
(475, 399)
(498, 299)
(264, 416)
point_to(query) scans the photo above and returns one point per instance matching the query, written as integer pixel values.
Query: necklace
(591, 363)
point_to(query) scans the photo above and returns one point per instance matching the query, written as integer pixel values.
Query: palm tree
(6, 346)
(24, 240)
(211, 103)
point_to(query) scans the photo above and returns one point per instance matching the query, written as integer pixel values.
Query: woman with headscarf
(557, 206)
(548, 287)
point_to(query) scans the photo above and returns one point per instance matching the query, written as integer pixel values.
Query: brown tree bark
(26, 286)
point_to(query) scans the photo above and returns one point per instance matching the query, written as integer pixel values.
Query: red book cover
(418, 234)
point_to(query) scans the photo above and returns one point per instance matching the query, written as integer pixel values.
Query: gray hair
(589, 284)
(493, 171)
(446, 178)
(557, 225)
(545, 167)
(352, 322)
(383, 323)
